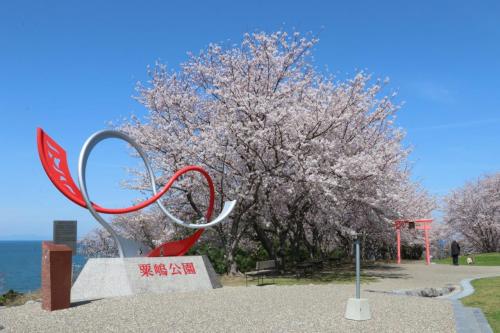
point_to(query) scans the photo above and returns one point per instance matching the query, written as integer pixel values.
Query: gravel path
(311, 308)
(418, 275)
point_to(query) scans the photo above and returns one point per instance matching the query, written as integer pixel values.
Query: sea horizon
(20, 265)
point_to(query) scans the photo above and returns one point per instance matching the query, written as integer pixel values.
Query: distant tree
(150, 227)
(473, 212)
(98, 244)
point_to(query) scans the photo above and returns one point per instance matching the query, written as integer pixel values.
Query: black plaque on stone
(64, 232)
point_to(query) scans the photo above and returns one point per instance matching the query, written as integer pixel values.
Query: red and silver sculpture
(53, 158)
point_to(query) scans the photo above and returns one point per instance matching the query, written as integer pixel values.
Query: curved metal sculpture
(54, 162)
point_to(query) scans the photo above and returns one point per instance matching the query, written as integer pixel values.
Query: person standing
(455, 252)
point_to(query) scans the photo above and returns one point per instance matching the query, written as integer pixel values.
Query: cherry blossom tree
(473, 212)
(310, 159)
(150, 227)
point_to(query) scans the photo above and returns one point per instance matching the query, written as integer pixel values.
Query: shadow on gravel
(338, 273)
(370, 272)
(265, 284)
(387, 275)
(75, 304)
(382, 267)
(384, 271)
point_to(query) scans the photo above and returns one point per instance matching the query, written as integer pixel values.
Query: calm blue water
(20, 265)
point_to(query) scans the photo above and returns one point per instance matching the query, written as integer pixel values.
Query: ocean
(20, 265)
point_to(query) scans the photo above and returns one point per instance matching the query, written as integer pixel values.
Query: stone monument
(64, 232)
(56, 276)
(139, 269)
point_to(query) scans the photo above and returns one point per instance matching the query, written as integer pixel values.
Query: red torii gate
(422, 224)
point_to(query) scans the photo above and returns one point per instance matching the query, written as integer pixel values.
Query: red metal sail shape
(54, 162)
(176, 248)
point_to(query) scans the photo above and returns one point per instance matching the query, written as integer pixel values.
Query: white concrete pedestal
(111, 277)
(358, 309)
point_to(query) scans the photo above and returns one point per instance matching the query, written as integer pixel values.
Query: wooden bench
(336, 261)
(262, 269)
(306, 268)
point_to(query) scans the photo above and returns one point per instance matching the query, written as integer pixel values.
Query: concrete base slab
(111, 277)
(358, 309)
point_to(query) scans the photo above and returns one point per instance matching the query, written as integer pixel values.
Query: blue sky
(71, 67)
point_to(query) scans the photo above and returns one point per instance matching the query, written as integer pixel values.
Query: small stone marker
(64, 232)
(56, 276)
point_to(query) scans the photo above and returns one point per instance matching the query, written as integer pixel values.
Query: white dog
(469, 261)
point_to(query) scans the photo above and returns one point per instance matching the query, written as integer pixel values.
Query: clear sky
(71, 68)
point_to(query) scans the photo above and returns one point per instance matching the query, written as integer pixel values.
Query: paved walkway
(468, 319)
(311, 308)
(411, 277)
(418, 275)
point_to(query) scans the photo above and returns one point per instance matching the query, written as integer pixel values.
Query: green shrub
(9, 296)
(412, 252)
(244, 259)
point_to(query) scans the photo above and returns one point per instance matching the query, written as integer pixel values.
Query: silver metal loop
(127, 247)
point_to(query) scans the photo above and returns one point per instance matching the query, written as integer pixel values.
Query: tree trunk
(282, 235)
(267, 243)
(232, 265)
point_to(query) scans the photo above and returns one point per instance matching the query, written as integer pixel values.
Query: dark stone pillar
(56, 276)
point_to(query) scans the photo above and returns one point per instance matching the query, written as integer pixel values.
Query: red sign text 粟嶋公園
(149, 270)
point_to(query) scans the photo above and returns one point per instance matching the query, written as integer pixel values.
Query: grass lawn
(487, 297)
(482, 259)
(345, 274)
(14, 299)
